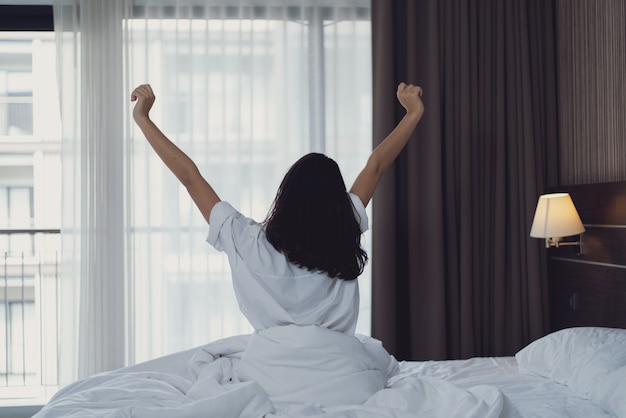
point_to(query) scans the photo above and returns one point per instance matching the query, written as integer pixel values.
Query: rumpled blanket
(289, 371)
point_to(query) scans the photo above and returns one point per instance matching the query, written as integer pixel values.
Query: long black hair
(312, 220)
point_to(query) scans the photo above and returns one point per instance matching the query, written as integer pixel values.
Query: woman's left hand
(144, 96)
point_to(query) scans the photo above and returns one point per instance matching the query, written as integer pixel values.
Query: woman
(296, 271)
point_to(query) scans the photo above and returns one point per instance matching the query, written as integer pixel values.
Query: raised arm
(174, 158)
(386, 152)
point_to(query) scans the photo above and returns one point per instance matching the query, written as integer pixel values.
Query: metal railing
(29, 323)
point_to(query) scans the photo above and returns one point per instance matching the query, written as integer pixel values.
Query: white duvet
(290, 371)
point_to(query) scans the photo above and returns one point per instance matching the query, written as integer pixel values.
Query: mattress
(310, 372)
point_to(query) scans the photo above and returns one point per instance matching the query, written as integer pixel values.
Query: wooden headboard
(589, 289)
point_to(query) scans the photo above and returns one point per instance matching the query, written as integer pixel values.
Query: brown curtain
(455, 273)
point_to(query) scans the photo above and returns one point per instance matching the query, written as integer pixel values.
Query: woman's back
(272, 290)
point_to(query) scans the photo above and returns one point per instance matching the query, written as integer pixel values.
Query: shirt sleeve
(236, 235)
(359, 212)
(220, 214)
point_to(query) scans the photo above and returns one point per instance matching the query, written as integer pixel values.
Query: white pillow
(583, 359)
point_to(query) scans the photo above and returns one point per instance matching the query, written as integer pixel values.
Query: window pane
(16, 87)
(29, 197)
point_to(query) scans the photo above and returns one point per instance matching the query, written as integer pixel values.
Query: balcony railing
(29, 323)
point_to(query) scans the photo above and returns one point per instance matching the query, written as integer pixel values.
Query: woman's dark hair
(312, 220)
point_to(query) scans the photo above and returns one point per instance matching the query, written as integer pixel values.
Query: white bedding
(305, 372)
(533, 396)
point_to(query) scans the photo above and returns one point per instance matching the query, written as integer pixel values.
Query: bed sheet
(533, 396)
(203, 382)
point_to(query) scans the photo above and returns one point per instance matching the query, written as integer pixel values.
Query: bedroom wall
(591, 57)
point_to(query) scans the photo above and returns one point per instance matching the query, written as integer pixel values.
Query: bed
(576, 370)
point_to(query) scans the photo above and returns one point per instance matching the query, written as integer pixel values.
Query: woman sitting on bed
(297, 269)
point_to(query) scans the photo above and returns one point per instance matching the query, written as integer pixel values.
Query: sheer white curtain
(92, 302)
(245, 88)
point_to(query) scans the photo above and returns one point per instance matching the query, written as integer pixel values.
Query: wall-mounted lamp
(556, 217)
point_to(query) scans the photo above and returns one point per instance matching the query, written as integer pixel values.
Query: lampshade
(556, 216)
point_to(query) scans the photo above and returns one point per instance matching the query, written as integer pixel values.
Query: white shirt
(272, 291)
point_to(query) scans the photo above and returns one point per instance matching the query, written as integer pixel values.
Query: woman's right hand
(410, 97)
(144, 96)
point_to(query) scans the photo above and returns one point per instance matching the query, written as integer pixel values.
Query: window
(243, 50)
(245, 91)
(29, 202)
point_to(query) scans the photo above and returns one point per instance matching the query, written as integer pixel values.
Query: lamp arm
(556, 242)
